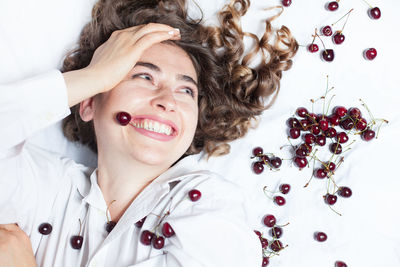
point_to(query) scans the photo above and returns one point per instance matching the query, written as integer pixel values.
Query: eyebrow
(180, 77)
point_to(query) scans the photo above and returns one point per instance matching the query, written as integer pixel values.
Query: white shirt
(38, 186)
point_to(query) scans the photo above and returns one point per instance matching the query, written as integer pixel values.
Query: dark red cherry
(258, 233)
(340, 111)
(313, 48)
(335, 148)
(269, 220)
(286, 3)
(265, 261)
(338, 38)
(320, 140)
(332, 6)
(302, 112)
(279, 200)
(306, 147)
(331, 132)
(284, 188)
(328, 55)
(347, 124)
(194, 195)
(264, 242)
(276, 162)
(323, 124)
(344, 191)
(370, 53)
(293, 123)
(276, 246)
(301, 152)
(320, 236)
(276, 232)
(368, 135)
(123, 118)
(257, 151)
(258, 167)
(327, 30)
(294, 133)
(265, 159)
(167, 230)
(158, 242)
(140, 223)
(315, 129)
(305, 124)
(309, 138)
(374, 13)
(331, 166)
(334, 119)
(320, 173)
(355, 113)
(340, 264)
(76, 242)
(342, 137)
(330, 199)
(110, 226)
(45, 228)
(146, 237)
(300, 162)
(361, 124)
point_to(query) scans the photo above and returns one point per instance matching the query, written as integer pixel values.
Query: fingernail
(176, 31)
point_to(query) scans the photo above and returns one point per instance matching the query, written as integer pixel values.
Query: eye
(188, 91)
(143, 76)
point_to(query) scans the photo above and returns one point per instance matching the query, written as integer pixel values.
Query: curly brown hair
(231, 93)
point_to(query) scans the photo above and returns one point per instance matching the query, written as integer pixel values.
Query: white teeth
(153, 126)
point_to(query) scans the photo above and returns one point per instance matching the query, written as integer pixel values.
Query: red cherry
(361, 124)
(342, 137)
(335, 148)
(257, 151)
(194, 195)
(340, 264)
(264, 242)
(327, 30)
(301, 152)
(276, 246)
(269, 220)
(330, 199)
(45, 228)
(355, 113)
(368, 135)
(123, 118)
(331, 166)
(328, 55)
(265, 159)
(323, 125)
(309, 138)
(294, 133)
(76, 242)
(158, 242)
(146, 237)
(286, 3)
(338, 38)
(320, 140)
(167, 230)
(279, 200)
(284, 188)
(276, 232)
(258, 233)
(320, 236)
(258, 167)
(302, 112)
(293, 123)
(265, 261)
(320, 173)
(344, 191)
(332, 6)
(370, 53)
(276, 162)
(340, 111)
(347, 124)
(315, 129)
(140, 223)
(300, 162)
(374, 13)
(313, 48)
(305, 124)
(331, 132)
(306, 147)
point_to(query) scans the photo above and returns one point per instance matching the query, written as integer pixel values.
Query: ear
(86, 109)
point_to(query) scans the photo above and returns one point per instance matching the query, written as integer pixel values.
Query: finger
(9, 227)
(156, 37)
(149, 28)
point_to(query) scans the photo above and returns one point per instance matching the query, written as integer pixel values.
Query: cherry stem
(80, 226)
(320, 39)
(265, 192)
(347, 14)
(367, 3)
(334, 210)
(108, 220)
(346, 20)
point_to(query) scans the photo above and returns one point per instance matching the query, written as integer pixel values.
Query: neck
(122, 179)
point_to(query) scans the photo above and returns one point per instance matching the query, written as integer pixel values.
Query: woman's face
(161, 95)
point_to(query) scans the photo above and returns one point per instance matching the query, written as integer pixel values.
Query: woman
(181, 94)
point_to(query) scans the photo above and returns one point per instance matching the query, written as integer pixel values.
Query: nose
(164, 100)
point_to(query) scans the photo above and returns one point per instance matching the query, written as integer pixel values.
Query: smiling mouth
(153, 126)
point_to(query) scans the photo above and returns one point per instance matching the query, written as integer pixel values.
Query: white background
(34, 36)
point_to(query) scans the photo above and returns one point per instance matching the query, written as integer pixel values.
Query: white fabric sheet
(35, 35)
